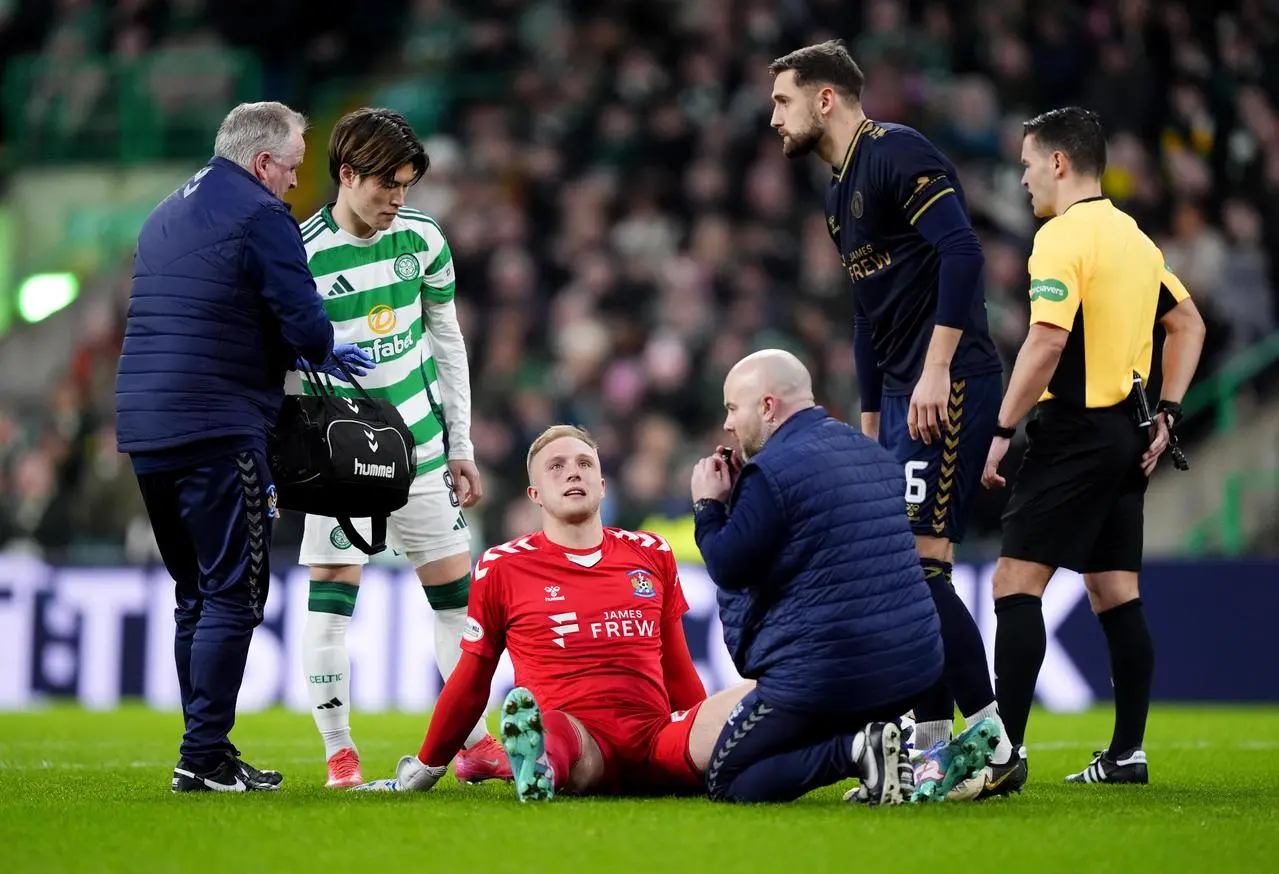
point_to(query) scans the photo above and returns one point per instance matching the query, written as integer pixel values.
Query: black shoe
(886, 773)
(229, 775)
(1007, 778)
(1127, 767)
(253, 775)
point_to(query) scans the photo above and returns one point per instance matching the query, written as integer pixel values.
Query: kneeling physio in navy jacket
(803, 530)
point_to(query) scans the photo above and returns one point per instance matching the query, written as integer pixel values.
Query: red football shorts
(652, 759)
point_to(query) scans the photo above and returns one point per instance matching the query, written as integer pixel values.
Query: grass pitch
(83, 791)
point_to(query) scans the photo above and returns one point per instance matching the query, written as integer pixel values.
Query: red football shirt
(584, 627)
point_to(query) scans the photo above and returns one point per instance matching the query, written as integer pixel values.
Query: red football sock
(563, 746)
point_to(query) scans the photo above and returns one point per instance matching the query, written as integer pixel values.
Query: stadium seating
(623, 222)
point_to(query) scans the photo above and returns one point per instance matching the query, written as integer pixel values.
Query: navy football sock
(967, 674)
(792, 774)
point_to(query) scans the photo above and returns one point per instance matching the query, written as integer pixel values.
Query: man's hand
(990, 477)
(356, 360)
(712, 480)
(929, 412)
(1158, 443)
(734, 461)
(466, 482)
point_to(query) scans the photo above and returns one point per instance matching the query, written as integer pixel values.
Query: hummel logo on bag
(368, 435)
(385, 471)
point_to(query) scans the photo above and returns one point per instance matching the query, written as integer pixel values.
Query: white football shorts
(429, 527)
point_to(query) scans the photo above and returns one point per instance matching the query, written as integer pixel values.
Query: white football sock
(449, 625)
(991, 711)
(328, 678)
(928, 733)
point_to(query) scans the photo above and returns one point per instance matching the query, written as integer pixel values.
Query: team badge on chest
(641, 584)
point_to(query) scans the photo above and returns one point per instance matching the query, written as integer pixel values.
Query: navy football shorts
(942, 479)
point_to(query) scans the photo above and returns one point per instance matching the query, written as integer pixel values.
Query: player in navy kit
(930, 378)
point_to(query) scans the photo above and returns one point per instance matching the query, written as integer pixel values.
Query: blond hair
(553, 433)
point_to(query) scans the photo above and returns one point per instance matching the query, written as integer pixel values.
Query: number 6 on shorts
(916, 487)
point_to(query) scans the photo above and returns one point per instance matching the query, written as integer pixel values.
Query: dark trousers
(212, 522)
(770, 753)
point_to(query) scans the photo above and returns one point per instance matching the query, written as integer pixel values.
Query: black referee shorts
(1079, 498)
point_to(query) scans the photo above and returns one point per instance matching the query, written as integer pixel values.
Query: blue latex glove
(356, 360)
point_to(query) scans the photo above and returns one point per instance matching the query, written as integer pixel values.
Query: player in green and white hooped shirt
(386, 276)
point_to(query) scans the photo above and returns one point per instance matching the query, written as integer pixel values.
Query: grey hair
(253, 128)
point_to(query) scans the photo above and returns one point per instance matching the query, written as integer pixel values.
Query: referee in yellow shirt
(1098, 285)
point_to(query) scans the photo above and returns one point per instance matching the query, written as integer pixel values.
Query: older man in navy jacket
(222, 305)
(823, 602)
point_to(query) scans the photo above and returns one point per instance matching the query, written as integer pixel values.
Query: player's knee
(935, 548)
(436, 570)
(336, 573)
(586, 769)
(1111, 589)
(1017, 577)
(709, 723)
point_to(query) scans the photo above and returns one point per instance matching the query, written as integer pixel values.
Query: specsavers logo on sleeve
(1048, 289)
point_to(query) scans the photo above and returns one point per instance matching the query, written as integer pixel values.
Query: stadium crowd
(625, 226)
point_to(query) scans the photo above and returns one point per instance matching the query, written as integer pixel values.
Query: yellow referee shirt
(1095, 273)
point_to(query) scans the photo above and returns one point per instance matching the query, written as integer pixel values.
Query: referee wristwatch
(1006, 433)
(702, 503)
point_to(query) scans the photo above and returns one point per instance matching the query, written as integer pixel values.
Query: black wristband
(1006, 433)
(1171, 410)
(702, 503)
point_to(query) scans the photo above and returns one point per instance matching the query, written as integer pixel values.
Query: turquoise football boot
(945, 765)
(524, 739)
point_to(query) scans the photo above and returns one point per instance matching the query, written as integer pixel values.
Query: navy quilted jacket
(221, 306)
(820, 591)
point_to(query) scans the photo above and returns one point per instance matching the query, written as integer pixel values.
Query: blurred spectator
(623, 223)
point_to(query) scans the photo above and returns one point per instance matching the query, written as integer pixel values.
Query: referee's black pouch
(349, 458)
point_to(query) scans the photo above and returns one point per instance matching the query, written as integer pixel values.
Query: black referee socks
(1132, 667)
(1020, 644)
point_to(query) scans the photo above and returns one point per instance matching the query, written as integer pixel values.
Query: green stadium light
(43, 294)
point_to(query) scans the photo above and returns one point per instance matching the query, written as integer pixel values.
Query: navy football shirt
(890, 177)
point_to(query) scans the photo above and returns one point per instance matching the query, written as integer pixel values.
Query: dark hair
(826, 62)
(1075, 132)
(377, 143)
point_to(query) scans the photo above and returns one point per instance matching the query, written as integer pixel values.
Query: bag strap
(324, 386)
(346, 371)
(379, 535)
